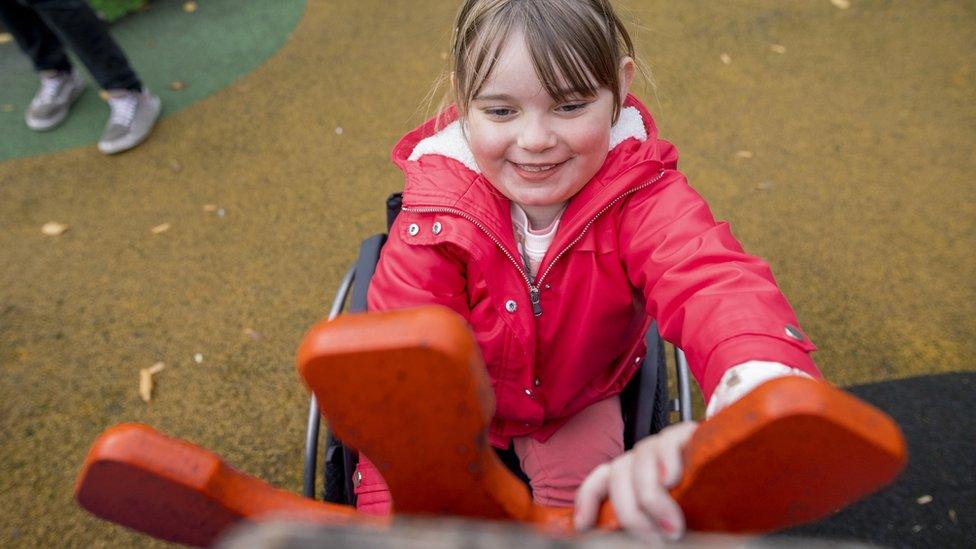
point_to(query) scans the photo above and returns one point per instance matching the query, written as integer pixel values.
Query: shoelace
(50, 86)
(123, 109)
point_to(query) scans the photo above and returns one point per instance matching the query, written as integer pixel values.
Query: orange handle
(179, 492)
(792, 451)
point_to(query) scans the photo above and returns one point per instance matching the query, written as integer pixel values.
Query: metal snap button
(794, 332)
(436, 229)
(413, 229)
(511, 306)
(537, 382)
(528, 391)
(637, 360)
(357, 479)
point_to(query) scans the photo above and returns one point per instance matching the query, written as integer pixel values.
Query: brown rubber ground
(859, 192)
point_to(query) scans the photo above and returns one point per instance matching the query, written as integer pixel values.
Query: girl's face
(534, 150)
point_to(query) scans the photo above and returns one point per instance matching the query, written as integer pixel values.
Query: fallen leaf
(778, 48)
(924, 499)
(253, 334)
(338, 130)
(7, 107)
(917, 528)
(842, 4)
(198, 358)
(176, 85)
(743, 154)
(189, 7)
(53, 228)
(726, 58)
(210, 207)
(6, 37)
(145, 384)
(161, 228)
(765, 185)
(156, 368)
(175, 166)
(952, 515)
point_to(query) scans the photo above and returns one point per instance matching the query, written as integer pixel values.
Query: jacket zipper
(534, 297)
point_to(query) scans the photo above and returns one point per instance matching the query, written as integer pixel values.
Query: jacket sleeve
(720, 305)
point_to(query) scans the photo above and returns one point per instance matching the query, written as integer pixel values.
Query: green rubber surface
(205, 50)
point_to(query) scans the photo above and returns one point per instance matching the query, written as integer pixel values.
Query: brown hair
(576, 45)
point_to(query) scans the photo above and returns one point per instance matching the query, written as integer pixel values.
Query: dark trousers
(40, 26)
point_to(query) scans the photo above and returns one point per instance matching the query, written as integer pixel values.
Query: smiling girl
(543, 207)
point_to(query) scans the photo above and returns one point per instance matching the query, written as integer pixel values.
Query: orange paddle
(408, 388)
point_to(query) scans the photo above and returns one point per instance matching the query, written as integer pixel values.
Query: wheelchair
(645, 403)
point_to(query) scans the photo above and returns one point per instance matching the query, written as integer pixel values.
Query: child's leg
(557, 467)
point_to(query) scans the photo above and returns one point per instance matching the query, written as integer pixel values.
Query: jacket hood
(441, 171)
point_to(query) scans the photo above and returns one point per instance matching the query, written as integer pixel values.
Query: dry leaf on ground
(952, 515)
(175, 166)
(253, 334)
(146, 380)
(198, 358)
(726, 58)
(778, 48)
(6, 37)
(743, 154)
(924, 499)
(176, 85)
(189, 7)
(765, 185)
(161, 228)
(842, 4)
(53, 228)
(210, 208)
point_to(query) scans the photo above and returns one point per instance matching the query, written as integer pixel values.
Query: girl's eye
(572, 107)
(499, 112)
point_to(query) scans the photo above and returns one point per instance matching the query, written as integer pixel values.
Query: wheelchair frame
(647, 385)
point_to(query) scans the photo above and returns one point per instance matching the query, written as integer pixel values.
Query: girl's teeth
(537, 168)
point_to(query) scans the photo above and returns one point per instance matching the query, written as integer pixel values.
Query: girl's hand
(637, 483)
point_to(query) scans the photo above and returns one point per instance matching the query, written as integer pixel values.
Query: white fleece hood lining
(450, 142)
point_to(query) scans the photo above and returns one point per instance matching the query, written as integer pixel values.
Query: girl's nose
(536, 136)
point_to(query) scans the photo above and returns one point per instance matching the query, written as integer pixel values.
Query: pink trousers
(555, 468)
(558, 466)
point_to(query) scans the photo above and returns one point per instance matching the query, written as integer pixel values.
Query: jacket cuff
(737, 350)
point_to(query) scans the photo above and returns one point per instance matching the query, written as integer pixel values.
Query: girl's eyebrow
(494, 97)
(567, 92)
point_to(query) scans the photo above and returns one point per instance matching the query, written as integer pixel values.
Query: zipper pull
(534, 299)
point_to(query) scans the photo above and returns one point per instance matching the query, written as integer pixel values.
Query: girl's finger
(589, 496)
(670, 464)
(624, 499)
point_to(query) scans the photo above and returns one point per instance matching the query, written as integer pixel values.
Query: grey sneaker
(133, 116)
(53, 99)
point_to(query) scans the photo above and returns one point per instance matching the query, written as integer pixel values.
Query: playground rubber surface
(857, 188)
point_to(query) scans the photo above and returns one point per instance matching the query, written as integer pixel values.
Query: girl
(544, 208)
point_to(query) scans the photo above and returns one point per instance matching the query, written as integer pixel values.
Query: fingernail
(670, 529)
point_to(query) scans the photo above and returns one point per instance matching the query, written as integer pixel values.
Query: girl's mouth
(536, 171)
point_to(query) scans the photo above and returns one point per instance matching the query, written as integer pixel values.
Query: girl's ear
(625, 77)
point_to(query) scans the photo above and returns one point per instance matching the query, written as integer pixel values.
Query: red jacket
(635, 243)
